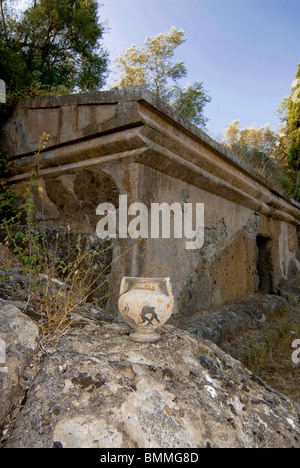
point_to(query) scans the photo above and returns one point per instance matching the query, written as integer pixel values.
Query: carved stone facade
(113, 143)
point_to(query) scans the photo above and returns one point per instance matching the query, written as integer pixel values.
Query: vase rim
(141, 279)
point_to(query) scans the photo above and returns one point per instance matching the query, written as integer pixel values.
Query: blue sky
(245, 51)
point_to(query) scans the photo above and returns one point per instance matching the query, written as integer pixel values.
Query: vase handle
(169, 287)
(124, 285)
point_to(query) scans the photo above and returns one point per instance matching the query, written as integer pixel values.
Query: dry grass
(268, 352)
(55, 287)
(58, 298)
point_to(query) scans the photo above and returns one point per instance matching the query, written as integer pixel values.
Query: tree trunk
(3, 20)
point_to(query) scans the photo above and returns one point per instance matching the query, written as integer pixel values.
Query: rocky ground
(93, 387)
(267, 351)
(87, 385)
(258, 331)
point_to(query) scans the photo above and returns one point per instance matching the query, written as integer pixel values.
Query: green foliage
(13, 67)
(294, 155)
(290, 116)
(274, 337)
(293, 124)
(61, 37)
(292, 182)
(255, 354)
(54, 46)
(26, 243)
(190, 102)
(56, 286)
(259, 147)
(152, 66)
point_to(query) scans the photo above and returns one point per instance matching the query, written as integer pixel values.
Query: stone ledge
(134, 124)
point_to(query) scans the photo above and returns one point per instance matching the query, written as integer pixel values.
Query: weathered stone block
(20, 336)
(127, 142)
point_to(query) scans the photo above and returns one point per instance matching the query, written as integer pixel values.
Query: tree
(290, 116)
(262, 139)
(55, 44)
(3, 21)
(13, 68)
(152, 66)
(293, 124)
(190, 102)
(257, 146)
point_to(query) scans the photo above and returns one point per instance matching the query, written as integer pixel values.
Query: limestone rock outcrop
(19, 342)
(93, 387)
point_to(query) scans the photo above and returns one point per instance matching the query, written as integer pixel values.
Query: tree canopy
(152, 66)
(53, 44)
(290, 138)
(293, 124)
(260, 147)
(274, 154)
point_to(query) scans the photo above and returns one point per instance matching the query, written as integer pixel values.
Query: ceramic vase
(146, 304)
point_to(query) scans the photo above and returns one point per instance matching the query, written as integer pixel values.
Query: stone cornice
(96, 128)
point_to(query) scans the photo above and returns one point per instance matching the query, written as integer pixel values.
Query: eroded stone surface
(96, 388)
(102, 145)
(19, 335)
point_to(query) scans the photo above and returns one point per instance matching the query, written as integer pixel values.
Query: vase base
(153, 337)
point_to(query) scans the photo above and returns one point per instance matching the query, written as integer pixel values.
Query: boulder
(18, 345)
(97, 389)
(223, 325)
